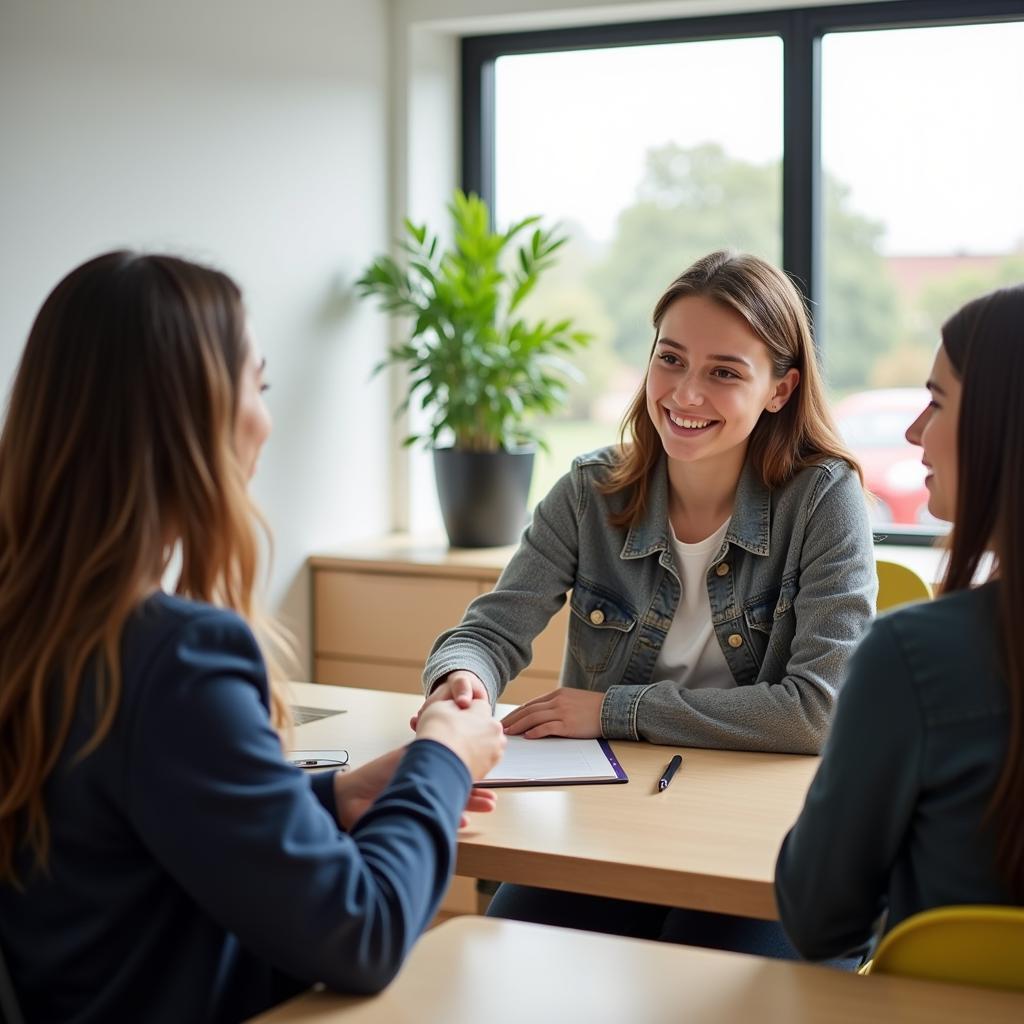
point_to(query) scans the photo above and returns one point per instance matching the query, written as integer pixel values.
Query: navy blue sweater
(194, 874)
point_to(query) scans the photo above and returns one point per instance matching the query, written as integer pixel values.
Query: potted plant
(480, 369)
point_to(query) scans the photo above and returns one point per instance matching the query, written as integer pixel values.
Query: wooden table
(472, 970)
(708, 842)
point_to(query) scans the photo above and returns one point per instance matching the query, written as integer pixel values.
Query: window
(924, 209)
(646, 169)
(870, 149)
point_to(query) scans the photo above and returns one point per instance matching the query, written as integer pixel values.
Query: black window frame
(801, 30)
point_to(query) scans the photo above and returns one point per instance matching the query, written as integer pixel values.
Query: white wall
(249, 133)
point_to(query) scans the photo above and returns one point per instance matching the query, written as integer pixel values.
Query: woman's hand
(562, 712)
(460, 686)
(355, 791)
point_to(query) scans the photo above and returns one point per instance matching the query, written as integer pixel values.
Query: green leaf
(480, 367)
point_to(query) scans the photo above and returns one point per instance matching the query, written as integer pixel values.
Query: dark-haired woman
(159, 858)
(919, 799)
(720, 563)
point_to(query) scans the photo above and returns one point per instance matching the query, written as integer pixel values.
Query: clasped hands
(458, 714)
(560, 712)
(465, 727)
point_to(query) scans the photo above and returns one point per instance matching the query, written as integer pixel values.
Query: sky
(924, 125)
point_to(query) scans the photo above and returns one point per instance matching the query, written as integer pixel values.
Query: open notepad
(555, 761)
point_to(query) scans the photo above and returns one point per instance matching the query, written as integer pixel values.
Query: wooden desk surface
(708, 842)
(474, 969)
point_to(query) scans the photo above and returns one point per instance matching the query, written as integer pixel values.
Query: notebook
(555, 761)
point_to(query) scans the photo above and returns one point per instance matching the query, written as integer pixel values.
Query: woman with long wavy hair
(160, 860)
(719, 561)
(919, 799)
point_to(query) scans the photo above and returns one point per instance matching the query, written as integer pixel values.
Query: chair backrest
(10, 1011)
(899, 584)
(970, 945)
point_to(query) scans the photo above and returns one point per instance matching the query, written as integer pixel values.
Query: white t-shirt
(691, 654)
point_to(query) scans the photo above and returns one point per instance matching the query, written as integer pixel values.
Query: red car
(873, 424)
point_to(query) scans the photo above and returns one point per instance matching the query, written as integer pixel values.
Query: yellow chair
(970, 945)
(899, 584)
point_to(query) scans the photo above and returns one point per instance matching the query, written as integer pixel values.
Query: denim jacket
(792, 590)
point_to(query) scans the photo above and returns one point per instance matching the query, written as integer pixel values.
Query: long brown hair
(985, 344)
(802, 433)
(117, 450)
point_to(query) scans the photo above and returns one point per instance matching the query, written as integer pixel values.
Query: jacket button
(597, 616)
(722, 569)
(735, 640)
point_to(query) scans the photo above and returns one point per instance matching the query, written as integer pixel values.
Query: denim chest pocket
(766, 608)
(599, 621)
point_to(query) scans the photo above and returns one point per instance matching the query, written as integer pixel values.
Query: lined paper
(554, 760)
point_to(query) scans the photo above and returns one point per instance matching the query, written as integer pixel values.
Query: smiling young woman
(719, 560)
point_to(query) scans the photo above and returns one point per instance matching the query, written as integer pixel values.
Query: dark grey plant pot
(483, 495)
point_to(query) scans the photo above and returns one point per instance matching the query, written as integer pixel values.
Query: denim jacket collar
(751, 523)
(751, 517)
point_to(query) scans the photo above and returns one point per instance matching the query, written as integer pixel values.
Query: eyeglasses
(318, 758)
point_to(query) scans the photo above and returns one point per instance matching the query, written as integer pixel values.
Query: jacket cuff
(441, 760)
(455, 658)
(618, 711)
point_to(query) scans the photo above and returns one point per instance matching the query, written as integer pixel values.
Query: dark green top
(895, 817)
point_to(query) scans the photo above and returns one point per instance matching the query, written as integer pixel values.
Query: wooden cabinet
(378, 608)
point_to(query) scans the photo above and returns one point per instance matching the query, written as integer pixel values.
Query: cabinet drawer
(369, 675)
(375, 615)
